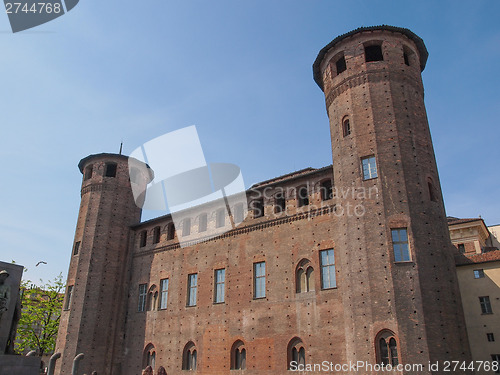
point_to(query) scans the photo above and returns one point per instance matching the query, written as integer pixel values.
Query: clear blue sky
(241, 72)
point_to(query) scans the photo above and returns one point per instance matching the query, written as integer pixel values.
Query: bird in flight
(41, 262)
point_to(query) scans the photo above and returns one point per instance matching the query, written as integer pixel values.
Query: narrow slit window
(76, 248)
(170, 231)
(346, 127)
(143, 239)
(69, 297)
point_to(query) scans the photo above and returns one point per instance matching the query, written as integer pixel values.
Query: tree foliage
(40, 315)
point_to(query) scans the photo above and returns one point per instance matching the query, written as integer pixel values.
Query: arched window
(346, 126)
(156, 234)
(170, 231)
(152, 299)
(304, 276)
(149, 356)
(238, 356)
(326, 190)
(296, 353)
(302, 196)
(189, 356)
(387, 348)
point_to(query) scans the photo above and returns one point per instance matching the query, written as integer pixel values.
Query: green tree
(40, 315)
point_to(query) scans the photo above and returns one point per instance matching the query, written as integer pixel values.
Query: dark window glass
(110, 170)
(485, 305)
(156, 235)
(76, 249)
(144, 236)
(373, 53)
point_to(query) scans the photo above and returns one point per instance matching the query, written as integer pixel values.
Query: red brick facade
(369, 294)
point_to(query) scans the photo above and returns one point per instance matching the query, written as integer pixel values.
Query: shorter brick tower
(96, 293)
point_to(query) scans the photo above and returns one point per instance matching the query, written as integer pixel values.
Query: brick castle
(351, 262)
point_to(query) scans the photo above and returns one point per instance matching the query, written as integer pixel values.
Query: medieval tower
(337, 265)
(395, 261)
(91, 320)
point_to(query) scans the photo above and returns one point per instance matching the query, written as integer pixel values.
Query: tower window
(143, 239)
(490, 337)
(189, 357)
(88, 172)
(340, 65)
(192, 289)
(76, 248)
(163, 293)
(302, 196)
(69, 297)
(220, 217)
(478, 274)
(186, 227)
(485, 305)
(259, 280)
(400, 245)
(202, 223)
(110, 170)
(406, 59)
(326, 190)
(387, 349)
(346, 127)
(156, 234)
(170, 231)
(258, 208)
(373, 53)
(279, 202)
(238, 356)
(461, 247)
(327, 261)
(220, 279)
(369, 167)
(432, 190)
(142, 297)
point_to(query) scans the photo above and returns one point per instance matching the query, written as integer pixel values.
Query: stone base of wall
(19, 365)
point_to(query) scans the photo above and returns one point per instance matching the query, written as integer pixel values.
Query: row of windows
(109, 171)
(373, 52)
(386, 350)
(304, 280)
(152, 299)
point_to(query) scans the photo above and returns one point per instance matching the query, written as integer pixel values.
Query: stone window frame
(296, 352)
(304, 276)
(190, 357)
(238, 355)
(386, 340)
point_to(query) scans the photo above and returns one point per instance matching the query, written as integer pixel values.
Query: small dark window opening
(490, 337)
(432, 191)
(461, 247)
(341, 65)
(88, 172)
(303, 196)
(170, 231)
(202, 224)
(110, 170)
(280, 203)
(76, 248)
(346, 127)
(144, 236)
(373, 53)
(406, 58)
(326, 190)
(156, 235)
(258, 208)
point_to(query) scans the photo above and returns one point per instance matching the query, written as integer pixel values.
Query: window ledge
(404, 262)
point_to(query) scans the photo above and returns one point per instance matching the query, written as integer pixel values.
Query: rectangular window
(221, 218)
(327, 261)
(76, 249)
(186, 227)
(110, 170)
(144, 237)
(220, 279)
(485, 305)
(259, 279)
(373, 53)
(341, 65)
(192, 289)
(400, 245)
(258, 208)
(142, 297)
(202, 225)
(478, 274)
(369, 167)
(490, 337)
(279, 202)
(461, 247)
(163, 293)
(495, 358)
(69, 296)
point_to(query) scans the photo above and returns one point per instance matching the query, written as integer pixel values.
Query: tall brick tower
(95, 302)
(393, 254)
